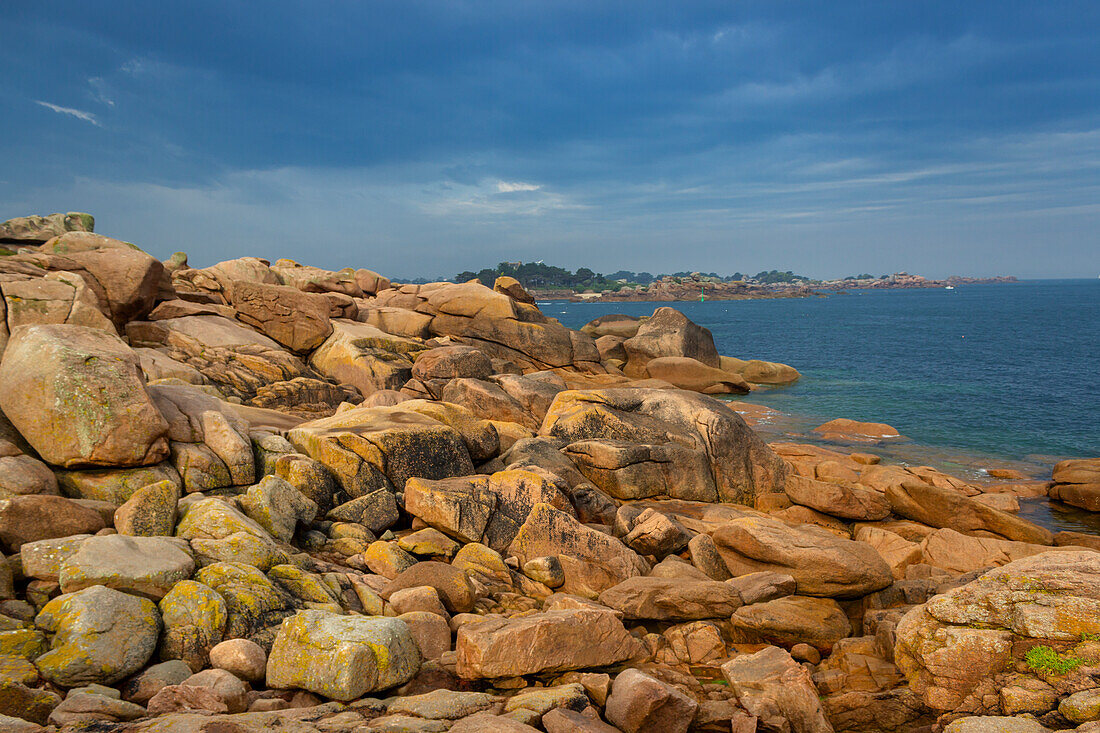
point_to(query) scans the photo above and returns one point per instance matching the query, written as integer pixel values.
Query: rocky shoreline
(268, 497)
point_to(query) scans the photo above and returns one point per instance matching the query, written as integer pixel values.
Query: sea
(1003, 375)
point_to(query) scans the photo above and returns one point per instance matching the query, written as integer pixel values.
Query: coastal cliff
(266, 496)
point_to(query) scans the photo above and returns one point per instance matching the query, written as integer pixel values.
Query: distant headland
(546, 282)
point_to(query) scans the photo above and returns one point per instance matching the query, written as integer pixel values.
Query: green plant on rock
(1090, 636)
(1045, 659)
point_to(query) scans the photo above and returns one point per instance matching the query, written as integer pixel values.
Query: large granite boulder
(452, 585)
(487, 400)
(297, 320)
(452, 362)
(843, 500)
(316, 280)
(672, 599)
(486, 509)
(252, 601)
(962, 553)
(59, 297)
(149, 512)
(691, 374)
(639, 703)
(39, 229)
(210, 447)
(365, 357)
(1077, 482)
(78, 396)
(239, 361)
(613, 324)
(591, 560)
(496, 324)
(99, 635)
(552, 641)
(821, 563)
(959, 649)
(691, 432)
(777, 690)
(668, 332)
(342, 657)
(943, 507)
(218, 531)
(278, 507)
(369, 448)
(26, 519)
(125, 280)
(115, 485)
(211, 285)
(194, 617)
(819, 622)
(760, 372)
(144, 566)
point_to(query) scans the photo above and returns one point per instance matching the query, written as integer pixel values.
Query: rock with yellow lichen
(194, 620)
(342, 657)
(959, 649)
(100, 635)
(251, 598)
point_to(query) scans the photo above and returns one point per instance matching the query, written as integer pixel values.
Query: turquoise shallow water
(1007, 371)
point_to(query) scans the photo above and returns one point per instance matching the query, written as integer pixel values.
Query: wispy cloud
(99, 91)
(513, 186)
(77, 113)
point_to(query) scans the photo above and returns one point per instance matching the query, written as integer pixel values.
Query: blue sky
(424, 138)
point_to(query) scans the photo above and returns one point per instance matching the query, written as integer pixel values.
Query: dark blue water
(1010, 371)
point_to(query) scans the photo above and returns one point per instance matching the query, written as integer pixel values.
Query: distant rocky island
(546, 282)
(266, 497)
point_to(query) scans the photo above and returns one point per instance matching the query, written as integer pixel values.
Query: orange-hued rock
(371, 448)
(668, 332)
(777, 690)
(591, 560)
(297, 320)
(1009, 474)
(760, 372)
(1077, 471)
(553, 641)
(1084, 496)
(960, 553)
(31, 518)
(1077, 482)
(672, 599)
(821, 563)
(819, 622)
(687, 373)
(843, 429)
(957, 650)
(126, 280)
(847, 501)
(511, 287)
(614, 324)
(78, 396)
(501, 327)
(938, 507)
(741, 466)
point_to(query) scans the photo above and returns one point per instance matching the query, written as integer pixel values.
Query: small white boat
(948, 287)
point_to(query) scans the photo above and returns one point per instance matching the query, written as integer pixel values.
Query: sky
(426, 138)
